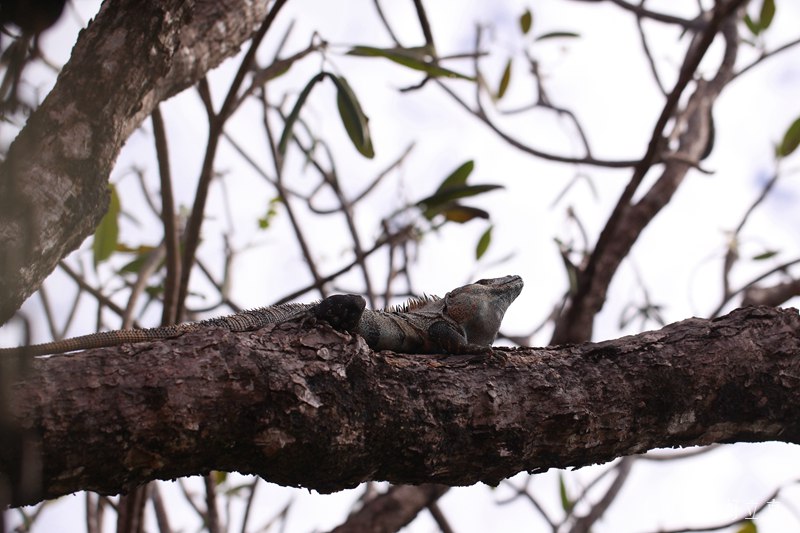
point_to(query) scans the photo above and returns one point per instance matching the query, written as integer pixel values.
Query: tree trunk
(53, 183)
(317, 408)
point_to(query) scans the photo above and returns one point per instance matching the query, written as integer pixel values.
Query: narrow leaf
(754, 28)
(526, 21)
(504, 80)
(557, 35)
(765, 255)
(438, 199)
(791, 139)
(458, 213)
(295, 113)
(353, 117)
(566, 502)
(107, 232)
(483, 243)
(413, 58)
(143, 254)
(457, 178)
(767, 14)
(420, 53)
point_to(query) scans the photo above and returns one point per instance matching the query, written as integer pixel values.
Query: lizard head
(479, 307)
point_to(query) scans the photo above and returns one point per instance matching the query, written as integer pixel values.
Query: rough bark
(317, 408)
(53, 183)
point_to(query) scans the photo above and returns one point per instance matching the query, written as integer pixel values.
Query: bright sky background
(604, 79)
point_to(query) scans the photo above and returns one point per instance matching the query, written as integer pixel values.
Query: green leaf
(295, 113)
(219, 477)
(462, 191)
(526, 21)
(566, 502)
(483, 243)
(791, 139)
(420, 53)
(272, 211)
(353, 117)
(107, 232)
(767, 14)
(413, 58)
(765, 255)
(142, 255)
(504, 80)
(557, 35)
(748, 526)
(441, 200)
(754, 28)
(458, 213)
(457, 178)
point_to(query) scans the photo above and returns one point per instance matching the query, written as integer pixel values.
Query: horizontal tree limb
(317, 408)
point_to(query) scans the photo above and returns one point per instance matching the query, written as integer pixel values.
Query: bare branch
(627, 221)
(641, 12)
(393, 509)
(169, 313)
(216, 127)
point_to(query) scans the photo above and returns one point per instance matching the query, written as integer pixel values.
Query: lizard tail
(93, 340)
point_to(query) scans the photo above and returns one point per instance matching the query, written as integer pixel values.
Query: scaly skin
(466, 320)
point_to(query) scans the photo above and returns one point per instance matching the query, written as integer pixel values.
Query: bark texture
(318, 409)
(53, 183)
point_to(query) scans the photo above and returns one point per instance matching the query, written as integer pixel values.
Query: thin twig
(101, 298)
(641, 12)
(767, 55)
(282, 191)
(649, 55)
(750, 514)
(424, 24)
(169, 314)
(249, 503)
(733, 294)
(216, 125)
(584, 523)
(212, 516)
(385, 22)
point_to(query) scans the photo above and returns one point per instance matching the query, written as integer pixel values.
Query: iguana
(465, 321)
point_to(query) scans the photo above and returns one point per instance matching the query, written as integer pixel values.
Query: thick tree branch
(317, 408)
(53, 181)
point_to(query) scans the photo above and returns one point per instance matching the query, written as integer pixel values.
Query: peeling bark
(318, 409)
(53, 183)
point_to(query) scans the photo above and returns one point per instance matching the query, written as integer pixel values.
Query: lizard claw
(478, 355)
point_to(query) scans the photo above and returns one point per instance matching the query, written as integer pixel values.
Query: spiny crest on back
(413, 303)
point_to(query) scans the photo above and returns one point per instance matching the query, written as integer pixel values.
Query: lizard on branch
(465, 321)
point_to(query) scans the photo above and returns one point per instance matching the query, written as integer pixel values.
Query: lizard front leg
(450, 339)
